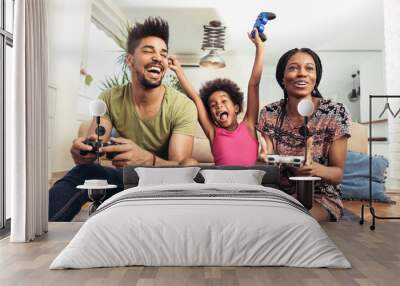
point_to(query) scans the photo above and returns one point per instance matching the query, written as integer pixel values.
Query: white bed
(201, 224)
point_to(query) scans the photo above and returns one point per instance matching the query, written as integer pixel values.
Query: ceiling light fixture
(213, 40)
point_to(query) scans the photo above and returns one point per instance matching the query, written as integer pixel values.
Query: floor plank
(374, 255)
(381, 209)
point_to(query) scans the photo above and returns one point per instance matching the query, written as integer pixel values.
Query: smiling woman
(299, 73)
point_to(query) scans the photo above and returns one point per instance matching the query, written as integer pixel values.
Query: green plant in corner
(172, 81)
(87, 77)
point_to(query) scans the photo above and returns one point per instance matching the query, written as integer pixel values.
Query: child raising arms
(218, 104)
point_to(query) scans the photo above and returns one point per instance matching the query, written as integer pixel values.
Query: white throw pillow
(249, 177)
(162, 176)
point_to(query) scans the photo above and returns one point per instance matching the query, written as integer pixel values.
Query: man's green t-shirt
(177, 114)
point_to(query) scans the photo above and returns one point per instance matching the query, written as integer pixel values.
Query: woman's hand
(309, 159)
(333, 173)
(313, 169)
(310, 168)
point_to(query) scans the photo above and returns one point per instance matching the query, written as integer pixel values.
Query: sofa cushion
(202, 151)
(358, 140)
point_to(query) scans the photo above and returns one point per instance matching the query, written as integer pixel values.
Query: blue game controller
(260, 23)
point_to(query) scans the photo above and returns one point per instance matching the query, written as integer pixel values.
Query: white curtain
(27, 123)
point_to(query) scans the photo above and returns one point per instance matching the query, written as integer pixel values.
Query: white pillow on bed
(249, 177)
(162, 176)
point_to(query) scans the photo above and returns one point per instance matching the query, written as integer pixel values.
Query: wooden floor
(381, 209)
(374, 255)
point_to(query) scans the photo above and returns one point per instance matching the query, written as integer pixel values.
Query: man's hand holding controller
(127, 153)
(78, 146)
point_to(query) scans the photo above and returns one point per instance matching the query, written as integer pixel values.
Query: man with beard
(155, 122)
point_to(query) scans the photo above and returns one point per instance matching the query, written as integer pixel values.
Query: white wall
(392, 85)
(101, 62)
(238, 69)
(68, 23)
(235, 70)
(75, 42)
(372, 83)
(336, 80)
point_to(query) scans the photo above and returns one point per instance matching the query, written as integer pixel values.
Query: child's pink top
(236, 147)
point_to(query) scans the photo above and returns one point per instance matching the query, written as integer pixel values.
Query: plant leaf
(88, 79)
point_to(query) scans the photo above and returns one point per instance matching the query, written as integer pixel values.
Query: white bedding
(225, 225)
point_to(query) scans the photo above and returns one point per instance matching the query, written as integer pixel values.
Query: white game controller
(294, 161)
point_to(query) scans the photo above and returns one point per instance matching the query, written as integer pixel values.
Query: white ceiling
(324, 25)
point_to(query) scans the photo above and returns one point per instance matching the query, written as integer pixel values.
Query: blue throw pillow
(357, 165)
(358, 189)
(355, 184)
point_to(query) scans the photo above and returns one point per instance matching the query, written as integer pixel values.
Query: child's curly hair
(221, 84)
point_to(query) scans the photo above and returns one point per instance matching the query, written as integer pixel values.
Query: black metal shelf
(370, 203)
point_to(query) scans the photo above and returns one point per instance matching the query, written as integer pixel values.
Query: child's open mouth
(223, 116)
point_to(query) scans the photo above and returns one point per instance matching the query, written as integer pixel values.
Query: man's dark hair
(221, 84)
(152, 27)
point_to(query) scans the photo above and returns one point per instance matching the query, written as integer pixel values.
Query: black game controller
(260, 23)
(96, 145)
